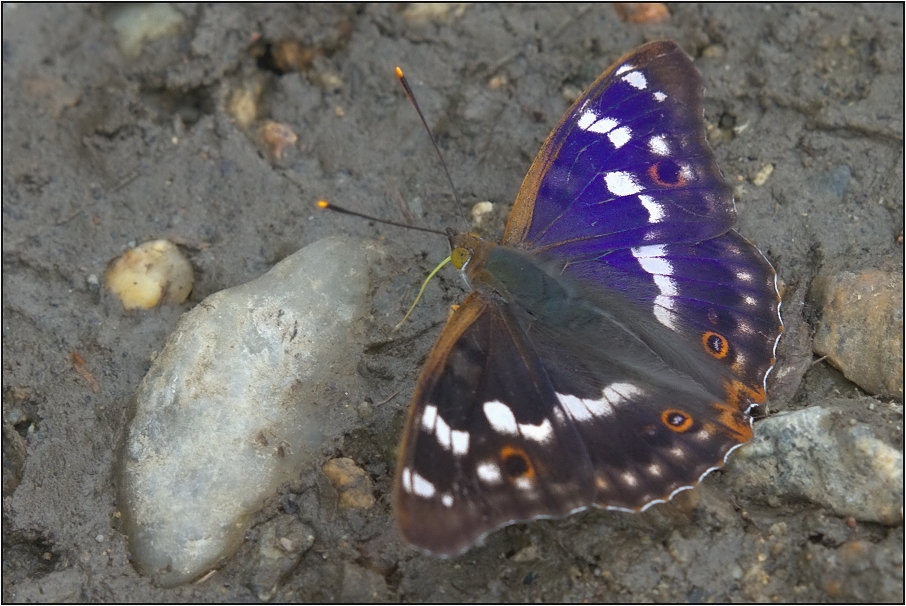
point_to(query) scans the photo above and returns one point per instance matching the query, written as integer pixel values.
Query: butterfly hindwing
(719, 294)
(651, 410)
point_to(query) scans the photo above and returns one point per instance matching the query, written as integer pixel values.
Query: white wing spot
(539, 433)
(407, 480)
(666, 285)
(447, 500)
(620, 136)
(489, 472)
(582, 410)
(744, 276)
(448, 438)
(460, 441)
(626, 67)
(655, 210)
(617, 393)
(654, 470)
(428, 418)
(611, 396)
(652, 261)
(659, 96)
(629, 478)
(750, 300)
(603, 126)
(443, 433)
(524, 483)
(678, 452)
(622, 183)
(501, 417)
(422, 487)
(663, 311)
(658, 146)
(587, 119)
(636, 80)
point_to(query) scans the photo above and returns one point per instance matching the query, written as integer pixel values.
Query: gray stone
(824, 455)
(238, 403)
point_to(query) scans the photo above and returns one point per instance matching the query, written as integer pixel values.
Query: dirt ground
(108, 143)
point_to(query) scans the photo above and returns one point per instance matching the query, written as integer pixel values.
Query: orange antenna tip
(399, 72)
(323, 203)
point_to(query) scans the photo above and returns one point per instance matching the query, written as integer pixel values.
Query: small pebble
(642, 12)
(351, 482)
(242, 103)
(151, 274)
(762, 176)
(422, 13)
(293, 56)
(138, 23)
(276, 138)
(479, 211)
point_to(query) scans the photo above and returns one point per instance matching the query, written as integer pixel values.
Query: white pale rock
(236, 404)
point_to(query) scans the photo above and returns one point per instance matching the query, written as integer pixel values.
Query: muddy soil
(110, 141)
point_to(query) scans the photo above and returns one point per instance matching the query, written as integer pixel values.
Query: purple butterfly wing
(627, 165)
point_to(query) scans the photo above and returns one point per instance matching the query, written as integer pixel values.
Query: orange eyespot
(667, 173)
(715, 344)
(460, 257)
(516, 463)
(676, 420)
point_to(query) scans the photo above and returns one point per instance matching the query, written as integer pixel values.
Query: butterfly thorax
(508, 275)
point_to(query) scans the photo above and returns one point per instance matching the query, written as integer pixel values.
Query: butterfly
(615, 343)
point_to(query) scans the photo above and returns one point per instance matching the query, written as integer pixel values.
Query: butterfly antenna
(339, 209)
(418, 110)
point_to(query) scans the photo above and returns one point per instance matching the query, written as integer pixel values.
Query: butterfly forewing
(485, 444)
(627, 164)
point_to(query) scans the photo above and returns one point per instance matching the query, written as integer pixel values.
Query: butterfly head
(469, 252)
